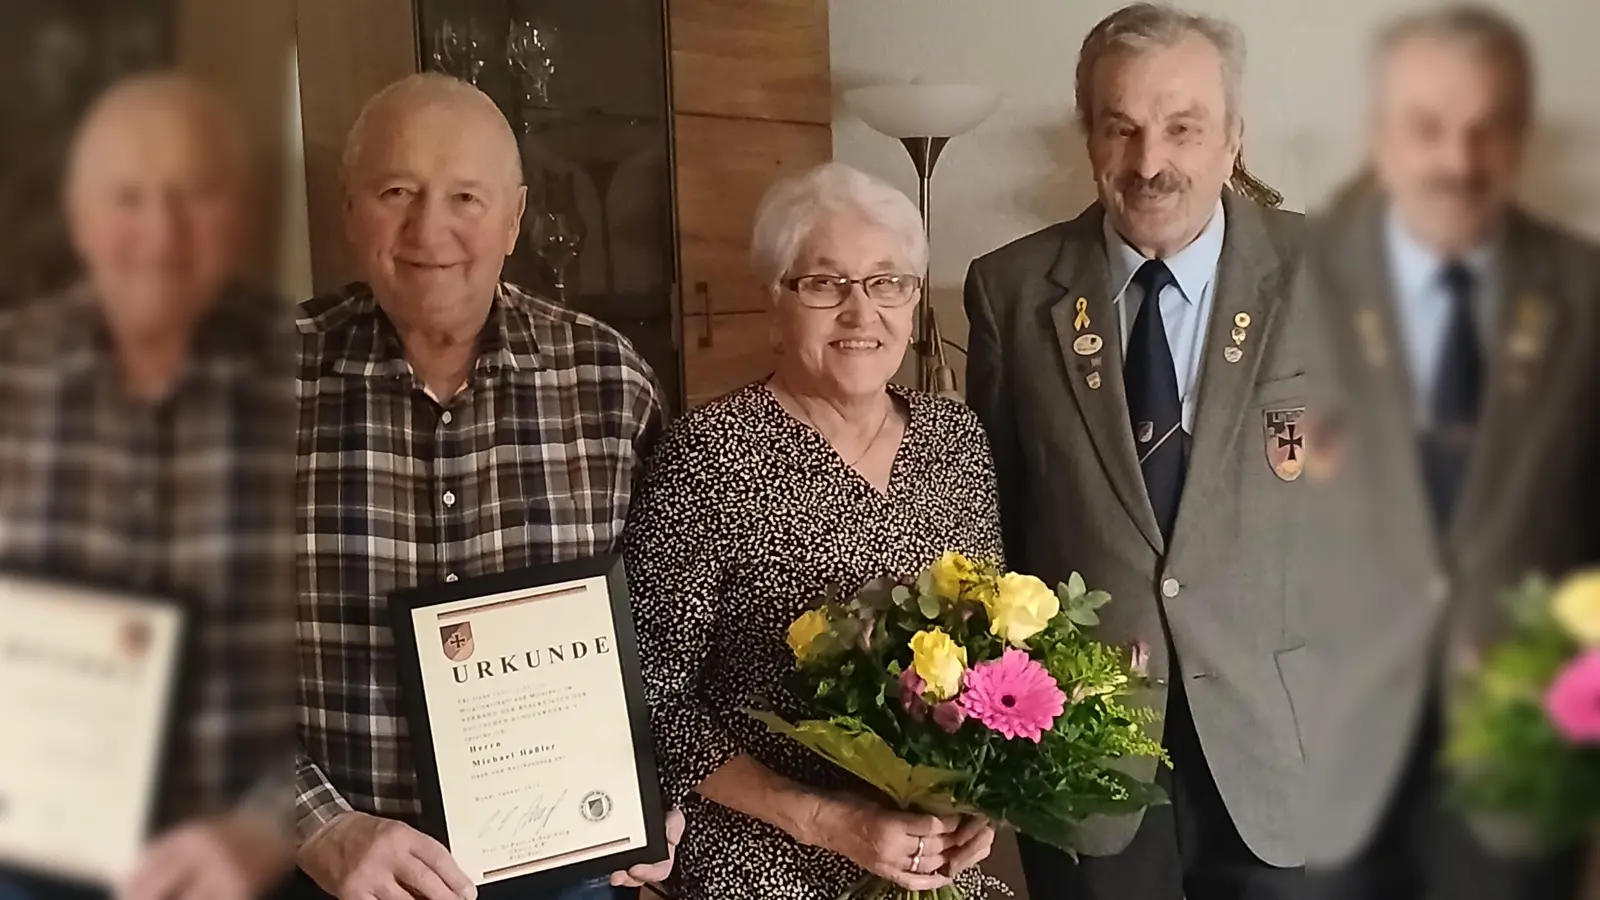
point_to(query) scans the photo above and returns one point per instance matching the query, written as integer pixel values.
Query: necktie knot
(1459, 281)
(1152, 276)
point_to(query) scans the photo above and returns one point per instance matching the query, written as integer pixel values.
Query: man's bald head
(434, 202)
(156, 194)
(433, 96)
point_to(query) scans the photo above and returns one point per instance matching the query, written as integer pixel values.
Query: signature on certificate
(522, 820)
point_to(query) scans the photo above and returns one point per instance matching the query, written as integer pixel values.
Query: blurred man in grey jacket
(1464, 334)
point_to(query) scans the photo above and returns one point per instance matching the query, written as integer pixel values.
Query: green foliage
(850, 746)
(1508, 761)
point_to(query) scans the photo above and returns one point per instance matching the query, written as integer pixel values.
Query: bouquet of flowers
(969, 690)
(1523, 744)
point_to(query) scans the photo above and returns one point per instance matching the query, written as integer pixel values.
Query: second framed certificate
(527, 711)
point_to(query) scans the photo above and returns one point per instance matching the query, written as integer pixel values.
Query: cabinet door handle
(702, 290)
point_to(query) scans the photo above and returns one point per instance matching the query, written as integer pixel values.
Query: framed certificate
(527, 712)
(89, 678)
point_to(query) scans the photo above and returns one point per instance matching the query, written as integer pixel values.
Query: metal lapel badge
(1286, 441)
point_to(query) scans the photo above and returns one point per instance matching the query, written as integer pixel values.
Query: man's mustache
(1465, 187)
(1166, 181)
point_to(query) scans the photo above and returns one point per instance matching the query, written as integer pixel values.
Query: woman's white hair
(793, 208)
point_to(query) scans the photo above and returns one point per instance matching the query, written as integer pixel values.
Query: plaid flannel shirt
(533, 461)
(189, 497)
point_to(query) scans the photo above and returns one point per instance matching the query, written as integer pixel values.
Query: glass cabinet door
(56, 56)
(584, 84)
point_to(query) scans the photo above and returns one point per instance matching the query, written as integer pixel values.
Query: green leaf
(1096, 599)
(901, 595)
(1045, 826)
(851, 747)
(1082, 615)
(929, 606)
(1075, 586)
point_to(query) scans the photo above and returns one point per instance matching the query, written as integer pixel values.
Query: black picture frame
(50, 883)
(408, 666)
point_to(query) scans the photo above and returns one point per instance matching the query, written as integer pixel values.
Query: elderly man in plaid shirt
(451, 426)
(148, 444)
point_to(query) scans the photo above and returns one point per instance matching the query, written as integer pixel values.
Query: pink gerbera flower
(1013, 695)
(1573, 700)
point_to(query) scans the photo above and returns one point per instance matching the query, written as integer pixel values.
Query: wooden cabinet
(724, 166)
(724, 352)
(752, 102)
(752, 59)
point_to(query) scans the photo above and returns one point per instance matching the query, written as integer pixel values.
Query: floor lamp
(925, 117)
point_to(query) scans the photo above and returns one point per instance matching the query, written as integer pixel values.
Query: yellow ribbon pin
(1081, 321)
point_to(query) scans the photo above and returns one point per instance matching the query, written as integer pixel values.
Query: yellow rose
(804, 631)
(939, 661)
(1021, 607)
(951, 573)
(1577, 606)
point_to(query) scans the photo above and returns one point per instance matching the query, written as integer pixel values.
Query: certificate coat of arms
(457, 641)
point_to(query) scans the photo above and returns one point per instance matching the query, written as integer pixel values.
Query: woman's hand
(908, 849)
(971, 845)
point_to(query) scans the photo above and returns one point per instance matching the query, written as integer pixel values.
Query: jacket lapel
(1082, 272)
(1526, 347)
(1385, 384)
(1245, 286)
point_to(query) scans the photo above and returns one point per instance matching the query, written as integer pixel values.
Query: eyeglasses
(829, 291)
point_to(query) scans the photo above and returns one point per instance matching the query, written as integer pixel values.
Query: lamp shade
(922, 110)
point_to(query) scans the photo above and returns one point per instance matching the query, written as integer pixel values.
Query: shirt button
(1170, 588)
(451, 577)
(446, 417)
(1439, 588)
(449, 498)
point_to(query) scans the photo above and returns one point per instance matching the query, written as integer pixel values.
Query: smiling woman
(824, 474)
(837, 249)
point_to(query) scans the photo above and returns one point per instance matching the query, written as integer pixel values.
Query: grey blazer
(1072, 497)
(1530, 502)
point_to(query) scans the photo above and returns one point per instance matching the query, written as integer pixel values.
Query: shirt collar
(1417, 267)
(233, 337)
(370, 346)
(1193, 268)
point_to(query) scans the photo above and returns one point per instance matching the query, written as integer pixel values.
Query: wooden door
(348, 50)
(752, 59)
(724, 166)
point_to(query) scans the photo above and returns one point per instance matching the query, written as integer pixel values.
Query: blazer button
(1170, 588)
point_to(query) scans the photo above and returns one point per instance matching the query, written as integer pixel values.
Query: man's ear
(349, 210)
(516, 223)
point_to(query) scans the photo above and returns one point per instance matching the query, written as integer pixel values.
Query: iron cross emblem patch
(457, 641)
(1286, 441)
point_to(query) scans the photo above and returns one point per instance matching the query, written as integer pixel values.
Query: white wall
(1304, 97)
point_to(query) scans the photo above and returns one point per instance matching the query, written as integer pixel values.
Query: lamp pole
(925, 333)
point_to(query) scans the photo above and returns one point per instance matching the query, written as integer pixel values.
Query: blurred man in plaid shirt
(451, 426)
(148, 445)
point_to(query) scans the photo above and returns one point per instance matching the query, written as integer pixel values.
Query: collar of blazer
(1252, 277)
(1535, 340)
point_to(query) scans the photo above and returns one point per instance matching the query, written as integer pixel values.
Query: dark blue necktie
(1153, 402)
(1457, 396)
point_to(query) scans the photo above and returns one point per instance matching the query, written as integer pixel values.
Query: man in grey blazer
(1158, 448)
(1465, 338)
